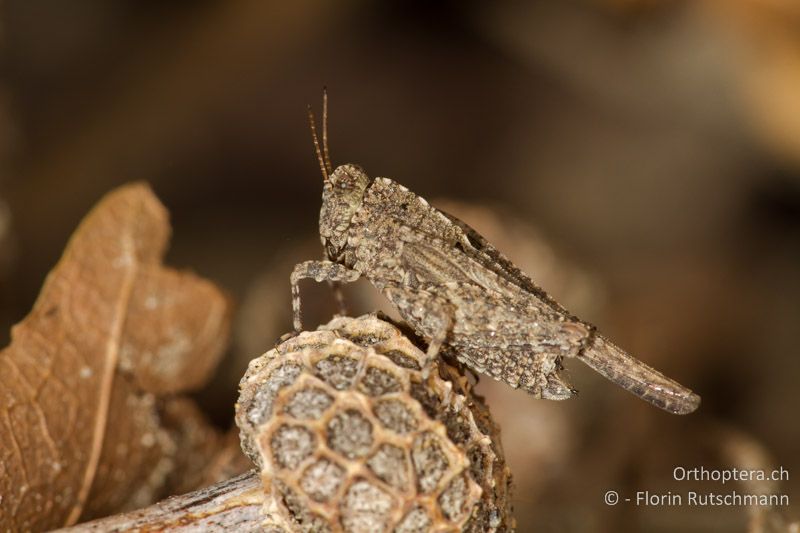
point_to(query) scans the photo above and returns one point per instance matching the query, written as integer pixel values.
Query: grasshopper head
(342, 193)
(341, 198)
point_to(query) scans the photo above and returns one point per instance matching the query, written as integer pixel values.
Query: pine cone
(349, 437)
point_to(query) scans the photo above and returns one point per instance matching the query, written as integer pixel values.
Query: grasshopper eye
(345, 182)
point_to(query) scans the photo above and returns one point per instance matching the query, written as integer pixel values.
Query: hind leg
(432, 314)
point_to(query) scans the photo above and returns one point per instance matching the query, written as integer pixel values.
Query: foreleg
(318, 271)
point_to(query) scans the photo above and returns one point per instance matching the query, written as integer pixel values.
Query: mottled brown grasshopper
(459, 293)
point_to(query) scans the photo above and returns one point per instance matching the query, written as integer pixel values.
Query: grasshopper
(458, 292)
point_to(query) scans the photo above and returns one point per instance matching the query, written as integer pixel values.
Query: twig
(232, 505)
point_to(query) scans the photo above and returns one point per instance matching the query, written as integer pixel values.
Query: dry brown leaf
(80, 414)
(206, 456)
(227, 462)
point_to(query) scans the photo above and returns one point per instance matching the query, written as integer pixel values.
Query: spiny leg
(318, 271)
(444, 313)
(433, 312)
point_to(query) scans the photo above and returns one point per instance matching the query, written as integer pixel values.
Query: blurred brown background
(640, 159)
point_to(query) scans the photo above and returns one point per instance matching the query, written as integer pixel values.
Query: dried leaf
(110, 331)
(206, 455)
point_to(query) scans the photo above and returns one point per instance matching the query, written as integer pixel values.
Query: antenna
(326, 154)
(312, 123)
